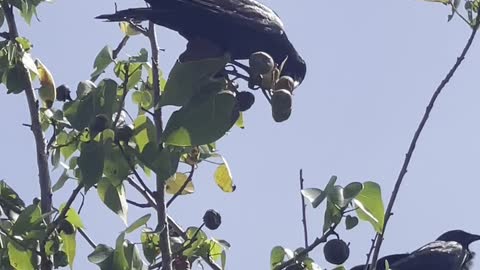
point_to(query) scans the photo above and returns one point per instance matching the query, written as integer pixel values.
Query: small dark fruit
(336, 251)
(245, 100)
(63, 93)
(281, 105)
(261, 63)
(100, 124)
(212, 219)
(66, 227)
(285, 82)
(123, 133)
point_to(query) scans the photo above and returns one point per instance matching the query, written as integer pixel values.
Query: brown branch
(304, 211)
(124, 95)
(182, 188)
(41, 148)
(413, 143)
(42, 158)
(160, 182)
(120, 46)
(369, 254)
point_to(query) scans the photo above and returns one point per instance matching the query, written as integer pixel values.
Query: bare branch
(413, 143)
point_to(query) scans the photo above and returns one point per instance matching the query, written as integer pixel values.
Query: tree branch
(304, 211)
(160, 183)
(182, 188)
(413, 143)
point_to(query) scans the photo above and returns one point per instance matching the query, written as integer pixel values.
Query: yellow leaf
(175, 183)
(47, 90)
(127, 29)
(223, 178)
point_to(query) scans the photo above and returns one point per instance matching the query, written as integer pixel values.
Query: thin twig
(304, 211)
(182, 188)
(124, 95)
(369, 254)
(413, 143)
(87, 238)
(309, 248)
(120, 46)
(140, 205)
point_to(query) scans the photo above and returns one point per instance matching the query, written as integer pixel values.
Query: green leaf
(119, 259)
(352, 190)
(134, 261)
(332, 216)
(114, 197)
(69, 246)
(150, 244)
(90, 163)
(102, 61)
(16, 80)
(174, 184)
(351, 222)
(186, 79)
(200, 238)
(10, 196)
(72, 217)
(102, 256)
(316, 196)
(20, 258)
(29, 219)
(138, 223)
(127, 29)
(205, 119)
(116, 167)
(277, 256)
(370, 205)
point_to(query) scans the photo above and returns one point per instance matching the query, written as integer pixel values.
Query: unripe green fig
(336, 251)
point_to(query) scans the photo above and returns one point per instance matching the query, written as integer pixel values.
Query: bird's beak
(474, 237)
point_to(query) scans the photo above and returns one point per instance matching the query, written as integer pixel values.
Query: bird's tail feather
(139, 14)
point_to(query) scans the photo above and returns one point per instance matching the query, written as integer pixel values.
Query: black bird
(449, 252)
(239, 27)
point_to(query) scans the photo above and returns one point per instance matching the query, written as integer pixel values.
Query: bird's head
(295, 67)
(459, 236)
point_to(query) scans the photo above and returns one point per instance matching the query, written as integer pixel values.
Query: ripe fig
(260, 63)
(66, 227)
(63, 93)
(245, 100)
(212, 219)
(336, 251)
(285, 82)
(281, 105)
(100, 124)
(124, 133)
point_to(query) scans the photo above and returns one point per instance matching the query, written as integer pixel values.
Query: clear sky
(372, 67)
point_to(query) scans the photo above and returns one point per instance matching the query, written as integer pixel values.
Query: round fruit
(336, 251)
(281, 105)
(63, 93)
(66, 227)
(212, 219)
(100, 123)
(124, 133)
(285, 82)
(261, 63)
(245, 100)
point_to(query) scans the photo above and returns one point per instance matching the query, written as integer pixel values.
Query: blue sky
(372, 67)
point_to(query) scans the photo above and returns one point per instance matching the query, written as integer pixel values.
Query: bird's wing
(438, 255)
(245, 12)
